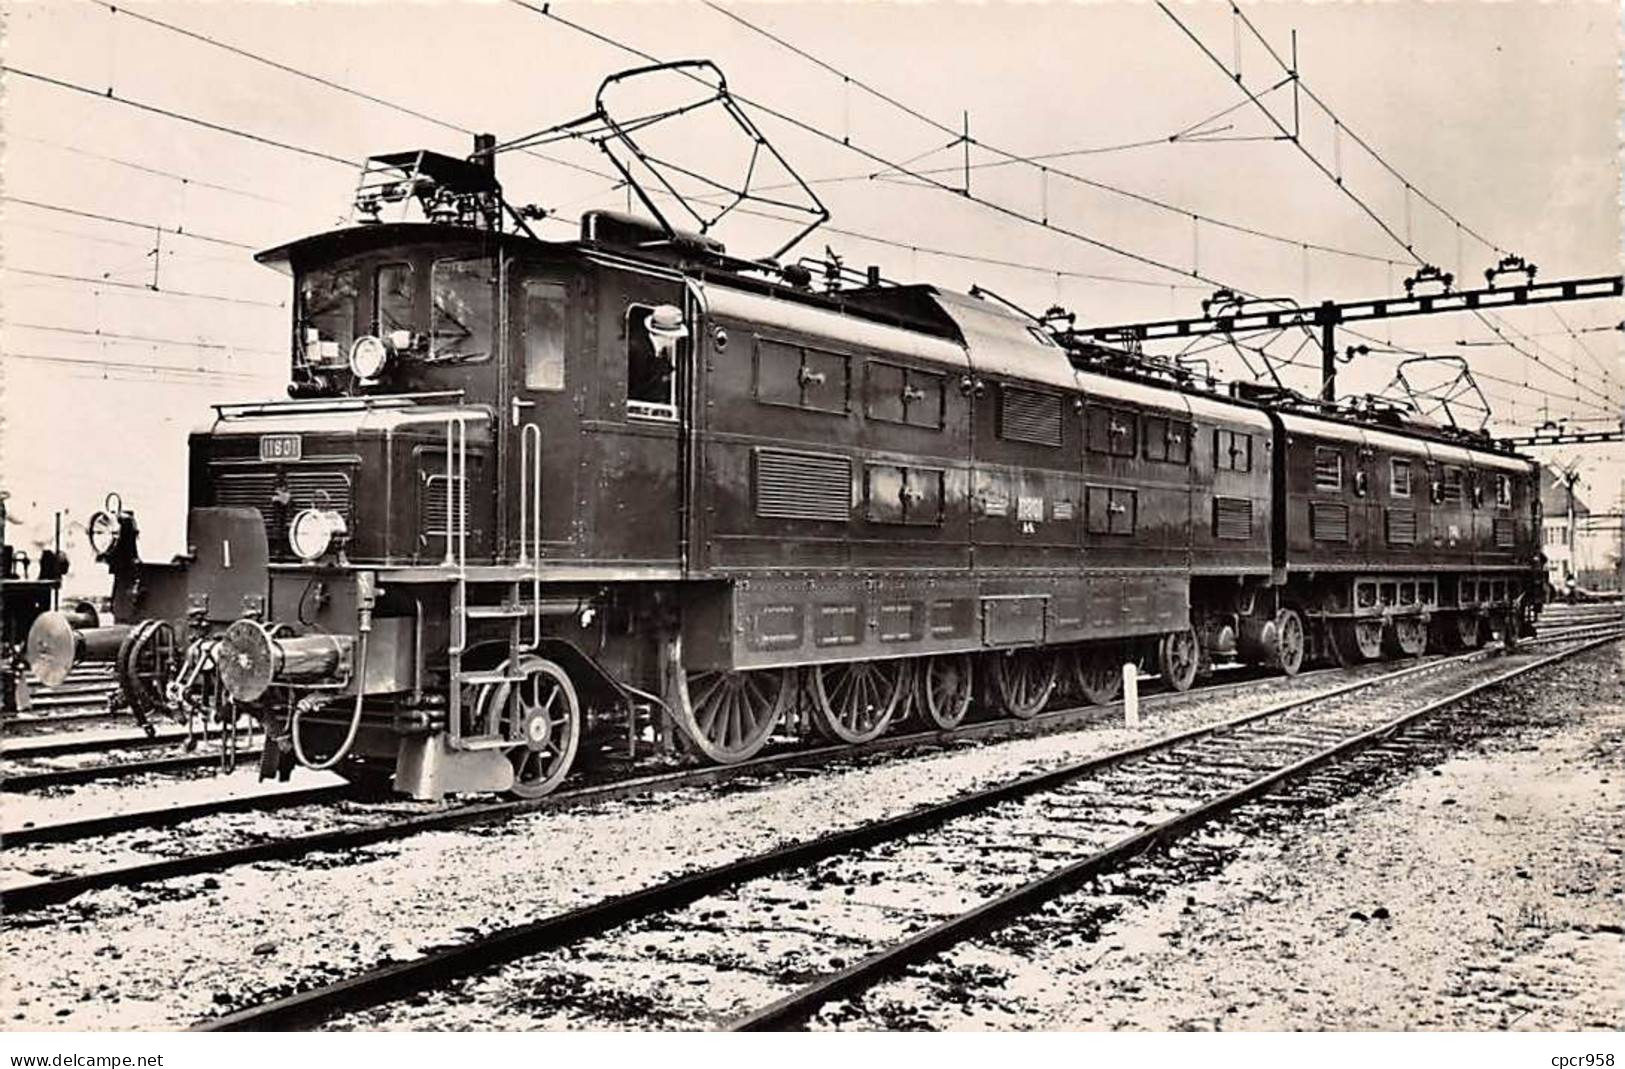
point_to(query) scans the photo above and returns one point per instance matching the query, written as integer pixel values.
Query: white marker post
(1131, 695)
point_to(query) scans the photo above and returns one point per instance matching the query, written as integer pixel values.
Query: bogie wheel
(1407, 636)
(542, 714)
(1023, 681)
(855, 701)
(1178, 657)
(1291, 641)
(943, 689)
(732, 714)
(1357, 641)
(1098, 674)
(1469, 630)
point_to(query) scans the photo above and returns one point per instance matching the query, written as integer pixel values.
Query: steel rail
(21, 782)
(795, 1008)
(70, 712)
(1052, 722)
(112, 823)
(449, 963)
(25, 751)
(50, 892)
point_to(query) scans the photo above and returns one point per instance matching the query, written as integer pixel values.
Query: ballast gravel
(167, 955)
(1485, 893)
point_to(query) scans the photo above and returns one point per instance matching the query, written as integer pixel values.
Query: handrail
(530, 508)
(334, 404)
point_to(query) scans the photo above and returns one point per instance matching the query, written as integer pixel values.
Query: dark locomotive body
(628, 482)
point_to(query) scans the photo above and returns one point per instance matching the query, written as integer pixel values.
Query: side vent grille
(1328, 521)
(434, 505)
(1402, 527)
(803, 486)
(1503, 533)
(1233, 518)
(1025, 416)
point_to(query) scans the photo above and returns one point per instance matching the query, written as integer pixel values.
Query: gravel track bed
(42, 861)
(56, 805)
(168, 954)
(66, 720)
(727, 954)
(1472, 881)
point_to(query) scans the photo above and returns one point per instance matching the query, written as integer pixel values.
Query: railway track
(23, 782)
(389, 825)
(990, 855)
(33, 779)
(39, 779)
(386, 823)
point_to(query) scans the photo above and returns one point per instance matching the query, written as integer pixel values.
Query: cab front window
(392, 299)
(461, 321)
(326, 316)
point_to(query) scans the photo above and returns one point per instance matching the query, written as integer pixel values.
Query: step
(496, 612)
(478, 679)
(485, 742)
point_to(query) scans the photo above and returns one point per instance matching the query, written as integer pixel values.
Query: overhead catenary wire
(136, 223)
(547, 12)
(1379, 347)
(189, 181)
(1038, 160)
(1407, 186)
(148, 339)
(222, 128)
(447, 124)
(138, 287)
(155, 370)
(263, 60)
(1342, 186)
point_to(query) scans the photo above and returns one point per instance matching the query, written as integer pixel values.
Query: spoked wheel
(1356, 641)
(942, 690)
(542, 714)
(1291, 641)
(732, 714)
(1469, 631)
(1023, 681)
(855, 701)
(1178, 658)
(1405, 637)
(146, 660)
(1098, 674)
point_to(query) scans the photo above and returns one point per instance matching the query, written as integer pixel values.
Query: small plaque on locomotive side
(280, 447)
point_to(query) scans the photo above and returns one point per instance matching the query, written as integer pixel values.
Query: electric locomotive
(531, 498)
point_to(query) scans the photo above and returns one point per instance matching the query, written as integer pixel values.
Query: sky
(1506, 115)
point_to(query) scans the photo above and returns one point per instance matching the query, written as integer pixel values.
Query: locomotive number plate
(280, 447)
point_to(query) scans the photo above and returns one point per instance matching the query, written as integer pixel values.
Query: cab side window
(544, 328)
(1399, 483)
(1450, 488)
(1328, 468)
(651, 375)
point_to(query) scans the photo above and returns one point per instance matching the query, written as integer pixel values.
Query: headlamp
(312, 532)
(368, 357)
